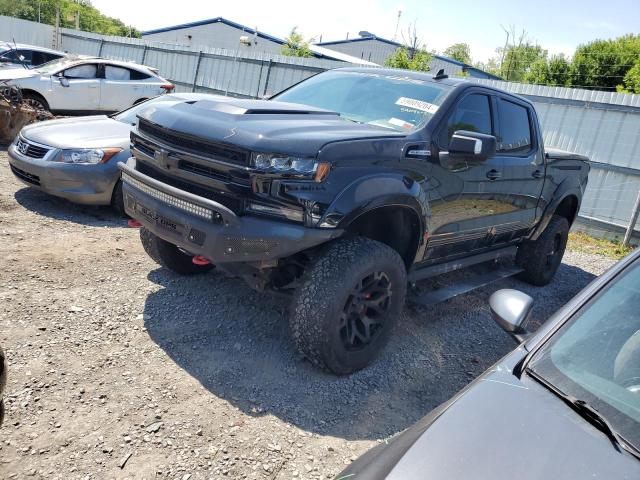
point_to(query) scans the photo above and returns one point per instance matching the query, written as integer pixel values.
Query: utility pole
(39, 20)
(632, 222)
(78, 20)
(395, 35)
(56, 30)
(504, 50)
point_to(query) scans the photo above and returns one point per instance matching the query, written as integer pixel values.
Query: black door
(467, 200)
(524, 166)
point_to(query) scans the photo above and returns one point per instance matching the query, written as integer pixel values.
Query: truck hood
(262, 125)
(500, 429)
(97, 131)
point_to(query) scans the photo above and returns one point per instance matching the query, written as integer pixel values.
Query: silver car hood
(97, 131)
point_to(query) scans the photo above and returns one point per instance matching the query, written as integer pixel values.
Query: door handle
(493, 174)
(538, 174)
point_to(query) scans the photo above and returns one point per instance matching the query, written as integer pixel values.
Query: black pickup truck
(344, 188)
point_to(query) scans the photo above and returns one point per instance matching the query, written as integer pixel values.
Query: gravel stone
(102, 344)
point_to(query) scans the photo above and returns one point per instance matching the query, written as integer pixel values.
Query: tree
(91, 19)
(295, 45)
(460, 52)
(604, 63)
(552, 71)
(409, 59)
(631, 80)
(519, 58)
(412, 56)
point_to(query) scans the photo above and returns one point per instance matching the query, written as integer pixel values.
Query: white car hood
(17, 73)
(97, 131)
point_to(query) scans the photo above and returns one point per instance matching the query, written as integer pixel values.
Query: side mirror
(64, 81)
(511, 310)
(473, 146)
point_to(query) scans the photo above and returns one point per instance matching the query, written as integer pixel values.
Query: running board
(439, 269)
(464, 286)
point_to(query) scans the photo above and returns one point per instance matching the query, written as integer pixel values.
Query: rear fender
(567, 188)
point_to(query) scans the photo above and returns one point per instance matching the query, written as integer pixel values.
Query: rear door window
(514, 135)
(116, 73)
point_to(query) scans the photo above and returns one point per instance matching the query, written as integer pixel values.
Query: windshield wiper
(351, 119)
(589, 413)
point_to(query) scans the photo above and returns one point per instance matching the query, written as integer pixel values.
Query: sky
(557, 25)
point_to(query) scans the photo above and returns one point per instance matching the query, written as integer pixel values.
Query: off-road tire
(542, 257)
(170, 256)
(117, 200)
(325, 294)
(33, 98)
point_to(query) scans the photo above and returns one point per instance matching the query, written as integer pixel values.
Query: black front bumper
(204, 227)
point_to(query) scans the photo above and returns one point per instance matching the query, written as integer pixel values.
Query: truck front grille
(182, 141)
(233, 204)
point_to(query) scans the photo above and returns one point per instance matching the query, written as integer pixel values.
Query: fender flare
(566, 189)
(374, 192)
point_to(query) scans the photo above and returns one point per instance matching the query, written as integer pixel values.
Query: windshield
(399, 103)
(130, 115)
(54, 65)
(595, 356)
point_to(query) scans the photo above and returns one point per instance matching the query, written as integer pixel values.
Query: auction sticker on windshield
(417, 104)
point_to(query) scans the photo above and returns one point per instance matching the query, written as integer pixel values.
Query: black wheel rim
(365, 311)
(555, 250)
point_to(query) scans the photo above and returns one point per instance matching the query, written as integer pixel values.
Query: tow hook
(133, 223)
(200, 260)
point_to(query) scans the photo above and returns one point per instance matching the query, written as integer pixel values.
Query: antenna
(395, 35)
(440, 75)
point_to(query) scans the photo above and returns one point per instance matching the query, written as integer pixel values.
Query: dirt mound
(15, 113)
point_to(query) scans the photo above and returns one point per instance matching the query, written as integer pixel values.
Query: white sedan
(86, 85)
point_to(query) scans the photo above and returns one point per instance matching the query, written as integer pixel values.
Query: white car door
(122, 87)
(77, 88)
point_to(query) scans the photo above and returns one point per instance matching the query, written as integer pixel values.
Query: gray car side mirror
(63, 81)
(511, 310)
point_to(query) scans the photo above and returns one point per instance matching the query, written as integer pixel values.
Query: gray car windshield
(595, 356)
(130, 115)
(395, 102)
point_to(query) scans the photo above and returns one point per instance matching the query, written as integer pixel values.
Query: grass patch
(581, 242)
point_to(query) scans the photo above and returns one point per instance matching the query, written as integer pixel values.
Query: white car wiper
(590, 414)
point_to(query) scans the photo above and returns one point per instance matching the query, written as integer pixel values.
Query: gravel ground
(118, 369)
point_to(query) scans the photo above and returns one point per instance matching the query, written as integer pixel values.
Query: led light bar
(189, 207)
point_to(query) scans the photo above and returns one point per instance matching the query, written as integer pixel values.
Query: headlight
(87, 155)
(284, 164)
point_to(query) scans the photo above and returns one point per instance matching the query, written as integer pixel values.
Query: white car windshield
(54, 66)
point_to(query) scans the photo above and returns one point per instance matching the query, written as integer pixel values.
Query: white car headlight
(87, 155)
(276, 163)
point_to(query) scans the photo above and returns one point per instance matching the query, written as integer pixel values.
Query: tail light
(168, 87)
